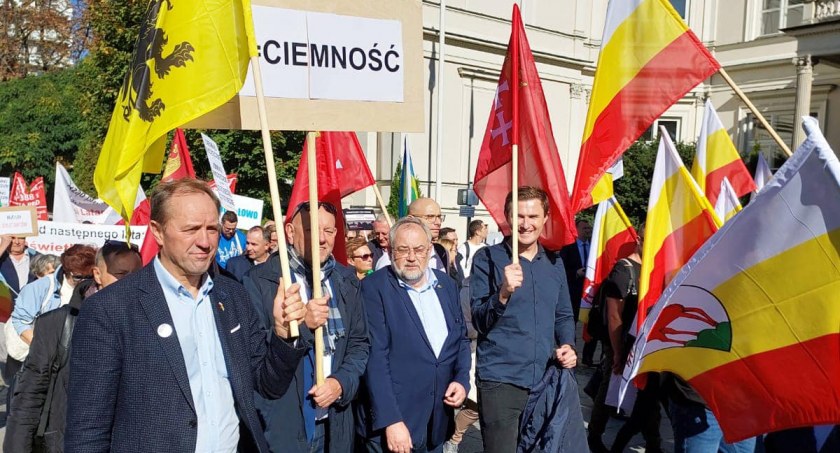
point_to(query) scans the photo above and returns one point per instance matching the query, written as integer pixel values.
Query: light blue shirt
(218, 424)
(427, 304)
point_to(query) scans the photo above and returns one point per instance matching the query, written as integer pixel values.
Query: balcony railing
(826, 10)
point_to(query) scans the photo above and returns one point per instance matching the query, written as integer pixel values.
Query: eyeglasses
(419, 251)
(432, 217)
(364, 257)
(329, 231)
(78, 278)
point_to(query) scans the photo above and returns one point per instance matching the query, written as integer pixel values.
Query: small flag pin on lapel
(221, 306)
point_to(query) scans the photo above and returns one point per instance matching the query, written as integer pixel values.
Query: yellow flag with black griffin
(190, 58)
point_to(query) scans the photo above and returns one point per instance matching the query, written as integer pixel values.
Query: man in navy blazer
(167, 359)
(419, 364)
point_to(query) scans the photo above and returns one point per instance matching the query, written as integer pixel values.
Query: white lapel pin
(164, 330)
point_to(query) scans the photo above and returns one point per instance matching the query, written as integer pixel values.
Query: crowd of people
(423, 336)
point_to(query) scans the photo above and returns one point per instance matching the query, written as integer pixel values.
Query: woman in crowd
(44, 264)
(359, 256)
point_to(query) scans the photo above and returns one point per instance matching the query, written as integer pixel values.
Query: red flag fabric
(23, 194)
(178, 165)
(231, 179)
(539, 161)
(342, 170)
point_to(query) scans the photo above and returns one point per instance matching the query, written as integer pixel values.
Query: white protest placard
(311, 55)
(5, 190)
(19, 220)
(72, 205)
(219, 175)
(56, 237)
(333, 66)
(249, 211)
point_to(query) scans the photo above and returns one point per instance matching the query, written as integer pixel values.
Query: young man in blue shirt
(523, 317)
(231, 241)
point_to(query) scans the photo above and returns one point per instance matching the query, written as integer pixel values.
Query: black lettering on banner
(271, 44)
(375, 57)
(319, 59)
(299, 50)
(357, 51)
(286, 52)
(392, 54)
(339, 58)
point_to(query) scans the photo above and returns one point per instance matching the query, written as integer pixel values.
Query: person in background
(54, 290)
(360, 257)
(44, 264)
(272, 234)
(427, 210)
(41, 392)
(15, 262)
(378, 244)
(453, 267)
(257, 249)
(449, 233)
(476, 234)
(231, 241)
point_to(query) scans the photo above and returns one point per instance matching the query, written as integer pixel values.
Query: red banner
(23, 194)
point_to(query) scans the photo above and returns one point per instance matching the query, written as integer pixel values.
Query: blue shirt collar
(431, 282)
(172, 285)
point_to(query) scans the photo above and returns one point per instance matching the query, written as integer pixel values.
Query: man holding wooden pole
(314, 415)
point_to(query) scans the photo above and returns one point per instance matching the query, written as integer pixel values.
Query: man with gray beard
(419, 364)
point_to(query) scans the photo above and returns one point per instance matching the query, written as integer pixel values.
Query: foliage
(394, 197)
(633, 190)
(39, 123)
(114, 27)
(38, 36)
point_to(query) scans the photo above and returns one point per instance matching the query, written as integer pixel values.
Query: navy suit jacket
(405, 381)
(238, 266)
(7, 268)
(129, 390)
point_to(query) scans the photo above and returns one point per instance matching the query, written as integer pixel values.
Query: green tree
(39, 123)
(394, 197)
(114, 28)
(633, 190)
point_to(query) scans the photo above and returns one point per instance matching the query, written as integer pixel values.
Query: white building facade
(784, 54)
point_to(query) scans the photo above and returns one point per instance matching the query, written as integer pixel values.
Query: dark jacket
(238, 266)
(7, 269)
(517, 340)
(283, 420)
(129, 390)
(552, 421)
(405, 381)
(572, 262)
(36, 378)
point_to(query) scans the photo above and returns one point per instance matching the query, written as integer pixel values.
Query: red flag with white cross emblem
(539, 161)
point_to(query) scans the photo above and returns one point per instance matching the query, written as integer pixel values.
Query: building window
(672, 125)
(680, 6)
(779, 14)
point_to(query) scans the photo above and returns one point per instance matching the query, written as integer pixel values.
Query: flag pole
(315, 244)
(514, 206)
(382, 204)
(273, 190)
(755, 111)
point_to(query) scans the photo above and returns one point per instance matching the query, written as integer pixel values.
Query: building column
(804, 78)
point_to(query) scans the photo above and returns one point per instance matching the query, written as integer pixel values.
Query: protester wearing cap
(310, 417)
(167, 359)
(41, 391)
